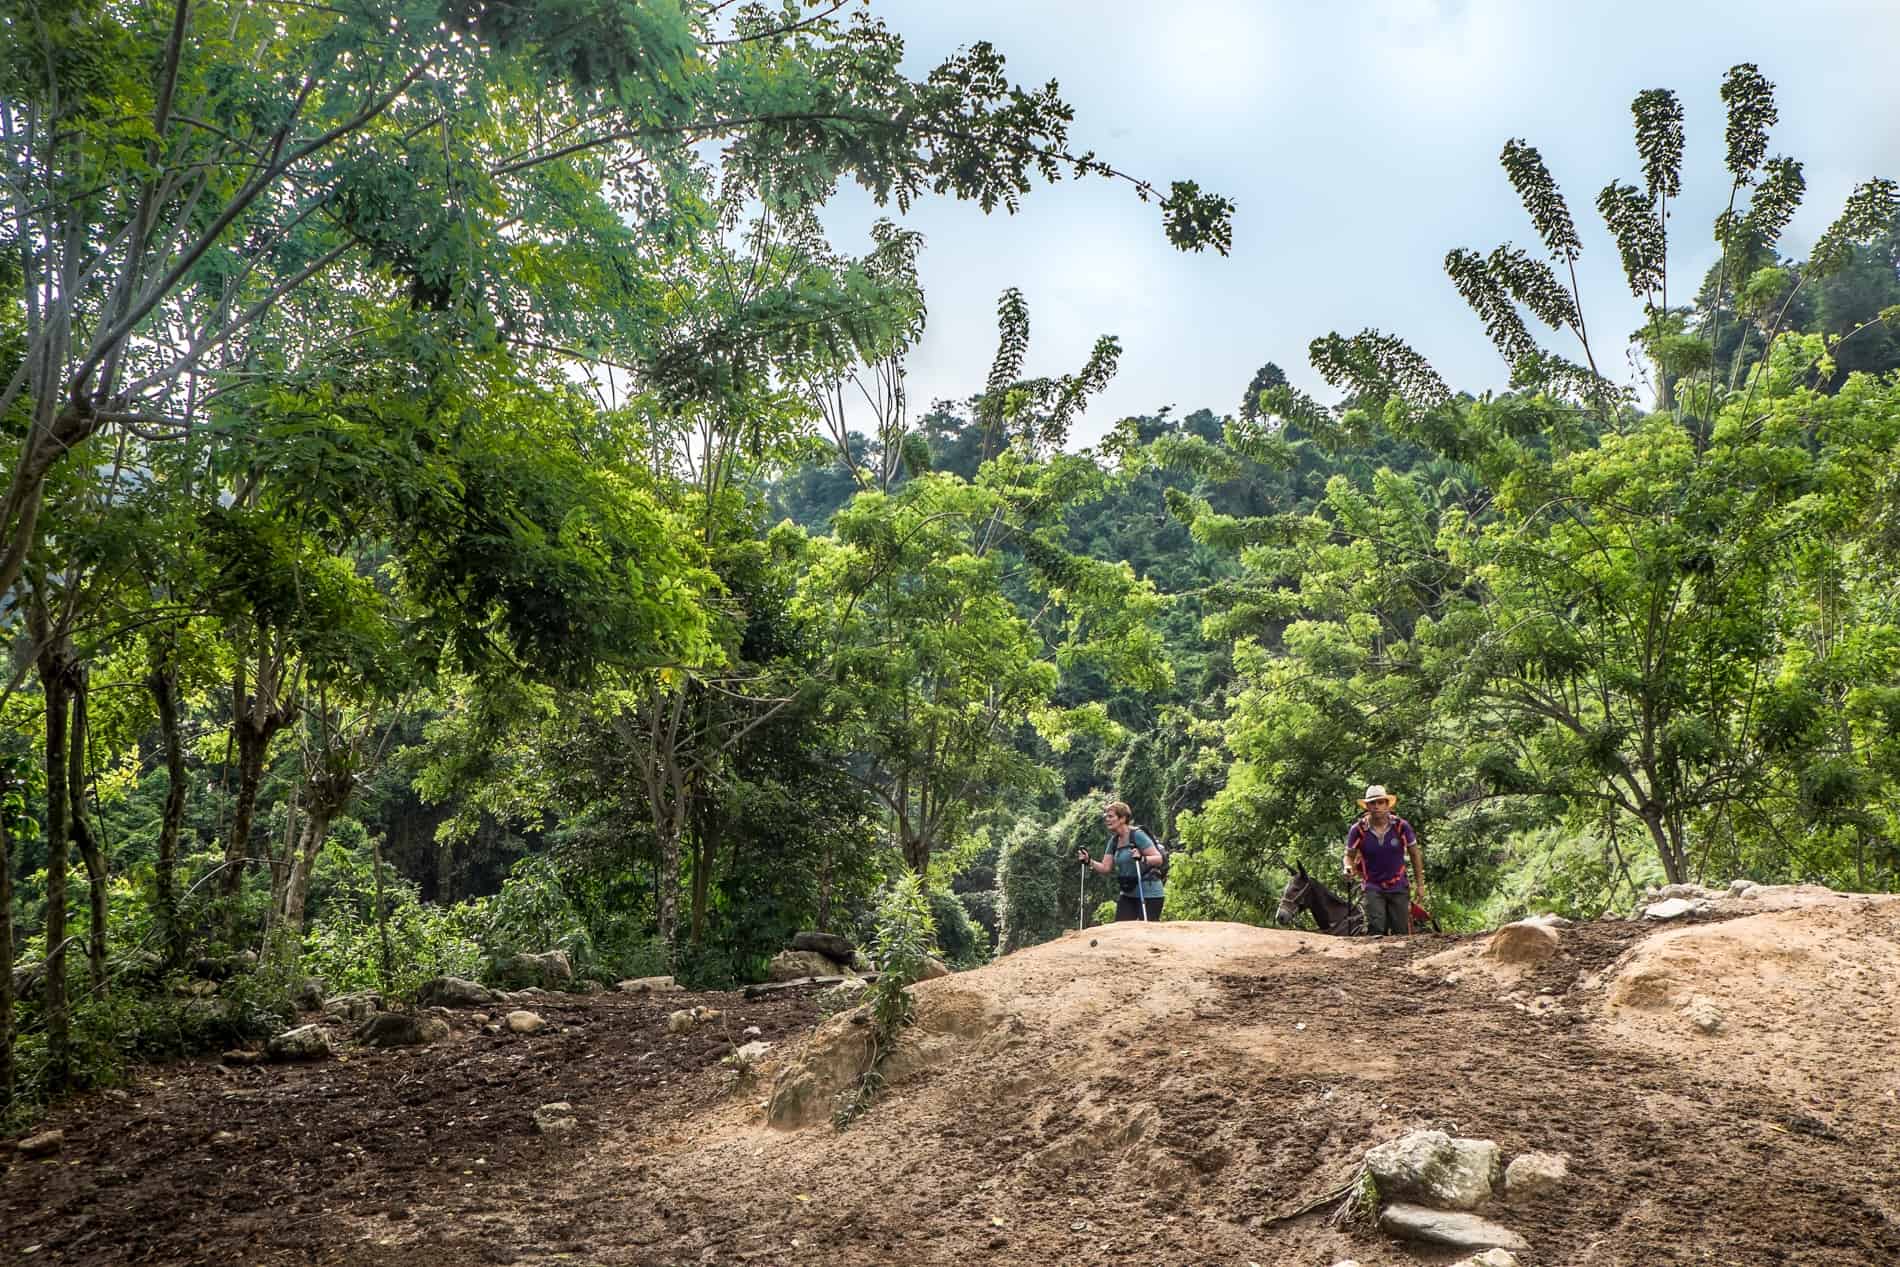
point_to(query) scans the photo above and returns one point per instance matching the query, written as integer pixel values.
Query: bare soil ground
(1135, 1095)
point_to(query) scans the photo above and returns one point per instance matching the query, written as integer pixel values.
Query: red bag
(1422, 918)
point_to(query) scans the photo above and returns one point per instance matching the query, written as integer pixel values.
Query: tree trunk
(382, 914)
(84, 836)
(253, 745)
(256, 717)
(316, 827)
(326, 792)
(163, 683)
(706, 834)
(280, 868)
(445, 869)
(824, 885)
(59, 1060)
(667, 792)
(6, 942)
(666, 902)
(1665, 848)
(916, 848)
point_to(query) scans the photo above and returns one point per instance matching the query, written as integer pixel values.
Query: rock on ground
(1432, 1168)
(1693, 892)
(453, 992)
(749, 1055)
(1668, 908)
(1453, 1228)
(790, 965)
(306, 1042)
(831, 945)
(1527, 941)
(309, 994)
(846, 994)
(556, 1118)
(354, 1007)
(44, 1144)
(549, 970)
(524, 1022)
(1490, 1258)
(687, 1019)
(402, 1029)
(1532, 1174)
(1703, 1014)
(647, 985)
(932, 969)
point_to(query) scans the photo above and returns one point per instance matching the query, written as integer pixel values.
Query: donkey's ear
(1302, 869)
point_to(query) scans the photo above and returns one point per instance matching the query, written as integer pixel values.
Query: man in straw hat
(1376, 848)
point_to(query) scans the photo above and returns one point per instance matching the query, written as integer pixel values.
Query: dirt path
(269, 1164)
(1136, 1096)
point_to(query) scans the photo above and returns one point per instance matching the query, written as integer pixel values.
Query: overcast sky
(1360, 140)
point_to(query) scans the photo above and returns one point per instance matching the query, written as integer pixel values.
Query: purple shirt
(1384, 853)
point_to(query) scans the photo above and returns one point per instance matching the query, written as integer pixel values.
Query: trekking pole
(1081, 893)
(1141, 899)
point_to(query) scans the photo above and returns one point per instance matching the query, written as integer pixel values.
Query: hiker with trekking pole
(1138, 862)
(1377, 846)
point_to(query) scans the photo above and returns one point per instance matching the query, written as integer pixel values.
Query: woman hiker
(1129, 853)
(1376, 848)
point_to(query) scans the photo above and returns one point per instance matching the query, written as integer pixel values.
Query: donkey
(1331, 913)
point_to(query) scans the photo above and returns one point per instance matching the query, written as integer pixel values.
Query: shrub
(963, 941)
(904, 936)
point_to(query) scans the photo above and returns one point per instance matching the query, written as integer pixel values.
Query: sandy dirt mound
(1780, 997)
(1145, 1095)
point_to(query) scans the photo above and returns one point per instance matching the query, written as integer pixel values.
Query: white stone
(795, 965)
(1532, 1173)
(749, 1055)
(1452, 1228)
(1703, 1014)
(306, 1042)
(1490, 1258)
(1671, 908)
(1433, 1168)
(647, 985)
(524, 1022)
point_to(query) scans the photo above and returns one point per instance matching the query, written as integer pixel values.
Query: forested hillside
(460, 503)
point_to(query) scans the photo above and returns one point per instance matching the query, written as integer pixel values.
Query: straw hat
(1377, 792)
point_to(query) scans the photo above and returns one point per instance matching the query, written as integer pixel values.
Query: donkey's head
(1293, 898)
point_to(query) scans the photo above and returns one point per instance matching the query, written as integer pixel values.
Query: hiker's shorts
(1127, 906)
(1388, 913)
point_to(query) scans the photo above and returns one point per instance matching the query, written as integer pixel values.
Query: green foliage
(1576, 873)
(1041, 882)
(343, 944)
(960, 939)
(902, 943)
